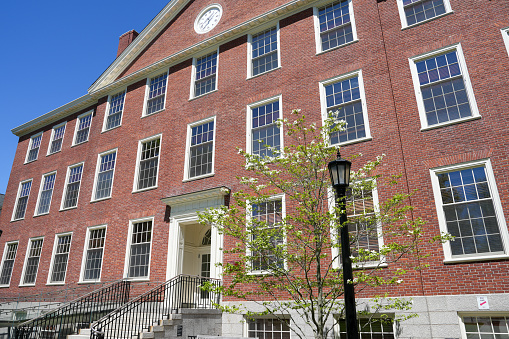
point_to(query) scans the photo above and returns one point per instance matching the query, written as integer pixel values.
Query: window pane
(93, 261)
(149, 162)
(73, 187)
(61, 257)
(10, 255)
(418, 10)
(264, 51)
(201, 150)
(105, 175)
(32, 263)
(265, 133)
(335, 25)
(56, 143)
(116, 108)
(83, 129)
(206, 68)
(21, 205)
(156, 94)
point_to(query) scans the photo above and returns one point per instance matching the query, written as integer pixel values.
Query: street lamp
(339, 171)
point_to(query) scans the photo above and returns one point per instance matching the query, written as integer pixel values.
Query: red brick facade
(382, 52)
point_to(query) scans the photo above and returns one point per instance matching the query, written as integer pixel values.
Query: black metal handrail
(77, 314)
(157, 304)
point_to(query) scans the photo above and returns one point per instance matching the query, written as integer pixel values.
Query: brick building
(107, 186)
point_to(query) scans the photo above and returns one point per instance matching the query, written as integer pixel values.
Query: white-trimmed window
(114, 111)
(105, 172)
(10, 251)
(146, 175)
(155, 94)
(334, 25)
(93, 254)
(263, 134)
(33, 147)
(442, 87)
(505, 36)
(266, 217)
(45, 193)
(57, 137)
(82, 129)
(263, 51)
(468, 208)
(485, 326)
(22, 200)
(72, 186)
(200, 149)
(139, 248)
(60, 258)
(343, 98)
(32, 259)
(413, 12)
(204, 79)
(268, 328)
(368, 328)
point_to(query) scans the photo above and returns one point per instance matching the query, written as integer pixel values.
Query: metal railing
(77, 314)
(157, 304)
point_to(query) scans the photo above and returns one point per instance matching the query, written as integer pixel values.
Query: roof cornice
(195, 196)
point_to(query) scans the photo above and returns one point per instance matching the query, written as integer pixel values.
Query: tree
(289, 263)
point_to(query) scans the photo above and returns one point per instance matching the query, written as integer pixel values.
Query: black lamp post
(339, 171)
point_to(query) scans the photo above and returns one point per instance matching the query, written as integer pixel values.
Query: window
(205, 75)
(156, 93)
(82, 128)
(57, 136)
(148, 163)
(32, 261)
(139, 243)
(33, 148)
(10, 251)
(334, 25)
(200, 150)
(104, 175)
(265, 135)
(45, 193)
(442, 87)
(263, 51)
(93, 257)
(468, 208)
(266, 218)
(369, 328)
(268, 328)
(60, 258)
(343, 98)
(114, 111)
(505, 36)
(486, 326)
(22, 200)
(72, 188)
(415, 11)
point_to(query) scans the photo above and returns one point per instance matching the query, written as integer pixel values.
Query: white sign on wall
(482, 302)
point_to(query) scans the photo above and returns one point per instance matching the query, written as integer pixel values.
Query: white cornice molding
(212, 193)
(54, 115)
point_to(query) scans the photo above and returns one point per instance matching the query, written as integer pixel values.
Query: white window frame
(250, 51)
(192, 93)
(3, 260)
(249, 212)
(505, 36)
(466, 79)
(147, 92)
(325, 113)
(17, 199)
(138, 160)
(84, 256)
(128, 248)
(376, 316)
(78, 119)
(188, 149)
(96, 176)
(30, 145)
(249, 119)
(402, 15)
(335, 252)
(106, 113)
(274, 317)
(66, 183)
(481, 314)
(26, 260)
(40, 192)
(316, 21)
(486, 163)
(53, 135)
(52, 263)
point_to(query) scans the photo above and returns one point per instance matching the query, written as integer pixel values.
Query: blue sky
(53, 51)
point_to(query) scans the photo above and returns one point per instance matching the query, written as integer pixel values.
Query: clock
(208, 18)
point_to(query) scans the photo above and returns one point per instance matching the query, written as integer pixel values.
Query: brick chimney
(125, 40)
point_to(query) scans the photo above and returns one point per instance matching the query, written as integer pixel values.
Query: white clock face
(208, 19)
